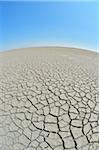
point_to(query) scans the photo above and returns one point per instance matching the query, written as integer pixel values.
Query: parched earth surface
(49, 99)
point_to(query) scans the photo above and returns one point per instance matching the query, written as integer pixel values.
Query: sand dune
(49, 99)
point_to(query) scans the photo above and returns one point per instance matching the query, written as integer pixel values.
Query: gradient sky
(27, 24)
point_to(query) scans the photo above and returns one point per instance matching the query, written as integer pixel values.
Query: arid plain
(49, 99)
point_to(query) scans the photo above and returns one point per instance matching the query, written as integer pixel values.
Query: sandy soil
(49, 99)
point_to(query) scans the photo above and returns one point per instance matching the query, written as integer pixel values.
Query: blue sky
(27, 24)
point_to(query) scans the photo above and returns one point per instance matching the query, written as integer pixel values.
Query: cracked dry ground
(49, 100)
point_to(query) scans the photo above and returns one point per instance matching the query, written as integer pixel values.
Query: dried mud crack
(49, 99)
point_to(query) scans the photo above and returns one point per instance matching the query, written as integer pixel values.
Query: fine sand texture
(49, 99)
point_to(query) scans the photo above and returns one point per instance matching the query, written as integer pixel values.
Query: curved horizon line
(70, 47)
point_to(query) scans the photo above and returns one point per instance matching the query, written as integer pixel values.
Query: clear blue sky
(26, 24)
